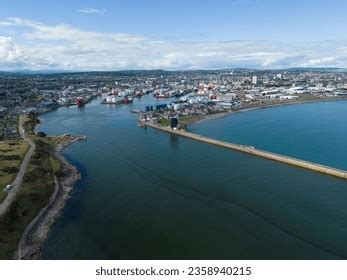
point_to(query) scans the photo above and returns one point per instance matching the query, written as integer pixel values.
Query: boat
(128, 99)
(112, 99)
(135, 111)
(163, 95)
(116, 99)
(80, 102)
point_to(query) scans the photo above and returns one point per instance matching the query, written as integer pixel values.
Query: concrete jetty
(260, 153)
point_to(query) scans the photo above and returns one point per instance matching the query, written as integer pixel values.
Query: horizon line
(61, 71)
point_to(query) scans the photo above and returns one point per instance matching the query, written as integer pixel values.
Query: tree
(41, 134)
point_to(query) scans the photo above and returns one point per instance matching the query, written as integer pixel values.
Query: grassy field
(33, 195)
(29, 124)
(186, 120)
(11, 156)
(165, 122)
(36, 189)
(55, 164)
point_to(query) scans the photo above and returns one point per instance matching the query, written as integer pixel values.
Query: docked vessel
(128, 99)
(135, 111)
(80, 102)
(112, 99)
(162, 95)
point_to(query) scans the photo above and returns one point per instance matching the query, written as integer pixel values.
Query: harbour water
(312, 131)
(146, 194)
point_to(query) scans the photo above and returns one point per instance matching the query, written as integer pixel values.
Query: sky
(171, 34)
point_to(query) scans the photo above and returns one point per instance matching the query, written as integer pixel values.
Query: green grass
(52, 141)
(184, 121)
(190, 119)
(165, 122)
(187, 120)
(10, 148)
(32, 196)
(55, 164)
(35, 191)
(29, 124)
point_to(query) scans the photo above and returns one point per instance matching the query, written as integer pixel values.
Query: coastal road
(23, 167)
(31, 242)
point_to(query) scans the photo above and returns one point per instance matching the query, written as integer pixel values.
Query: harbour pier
(253, 151)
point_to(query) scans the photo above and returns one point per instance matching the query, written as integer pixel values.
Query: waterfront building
(254, 80)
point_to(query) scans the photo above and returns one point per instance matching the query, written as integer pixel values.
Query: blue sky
(190, 34)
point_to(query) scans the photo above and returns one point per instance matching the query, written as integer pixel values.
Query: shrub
(41, 134)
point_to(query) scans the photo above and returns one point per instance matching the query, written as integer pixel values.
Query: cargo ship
(160, 94)
(111, 99)
(80, 102)
(128, 99)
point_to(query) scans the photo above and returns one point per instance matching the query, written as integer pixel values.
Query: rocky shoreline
(32, 240)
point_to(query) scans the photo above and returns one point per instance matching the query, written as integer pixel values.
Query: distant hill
(167, 72)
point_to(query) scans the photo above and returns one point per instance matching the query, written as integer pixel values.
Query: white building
(250, 96)
(178, 106)
(254, 80)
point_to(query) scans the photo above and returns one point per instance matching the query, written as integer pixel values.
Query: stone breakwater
(260, 153)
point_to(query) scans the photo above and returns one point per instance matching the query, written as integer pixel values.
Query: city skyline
(122, 35)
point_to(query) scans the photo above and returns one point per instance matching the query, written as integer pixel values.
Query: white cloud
(9, 52)
(66, 47)
(65, 32)
(92, 11)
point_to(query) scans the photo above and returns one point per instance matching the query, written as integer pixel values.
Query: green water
(148, 195)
